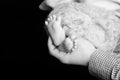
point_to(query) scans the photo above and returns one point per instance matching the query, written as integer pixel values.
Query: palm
(80, 55)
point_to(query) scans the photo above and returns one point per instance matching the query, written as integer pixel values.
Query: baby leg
(55, 29)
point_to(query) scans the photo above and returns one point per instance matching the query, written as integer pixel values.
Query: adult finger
(55, 52)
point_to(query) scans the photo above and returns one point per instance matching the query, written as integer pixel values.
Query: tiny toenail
(48, 19)
(73, 49)
(54, 17)
(46, 22)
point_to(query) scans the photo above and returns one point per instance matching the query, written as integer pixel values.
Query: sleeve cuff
(101, 64)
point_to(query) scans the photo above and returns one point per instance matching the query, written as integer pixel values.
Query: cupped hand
(80, 55)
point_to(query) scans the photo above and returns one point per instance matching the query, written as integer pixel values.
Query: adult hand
(79, 56)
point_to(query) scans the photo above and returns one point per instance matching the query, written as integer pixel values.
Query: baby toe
(54, 17)
(46, 22)
(49, 19)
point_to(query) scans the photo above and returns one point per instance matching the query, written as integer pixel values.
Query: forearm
(104, 65)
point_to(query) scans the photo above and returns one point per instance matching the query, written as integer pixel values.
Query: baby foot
(55, 29)
(68, 45)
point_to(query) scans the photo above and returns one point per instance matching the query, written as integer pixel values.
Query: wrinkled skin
(80, 55)
(76, 49)
(83, 46)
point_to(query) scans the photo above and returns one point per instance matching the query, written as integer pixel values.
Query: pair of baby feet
(80, 49)
(57, 33)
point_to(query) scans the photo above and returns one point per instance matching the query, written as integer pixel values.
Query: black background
(30, 42)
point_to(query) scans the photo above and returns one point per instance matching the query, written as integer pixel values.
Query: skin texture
(79, 56)
(68, 44)
(80, 53)
(56, 32)
(84, 48)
